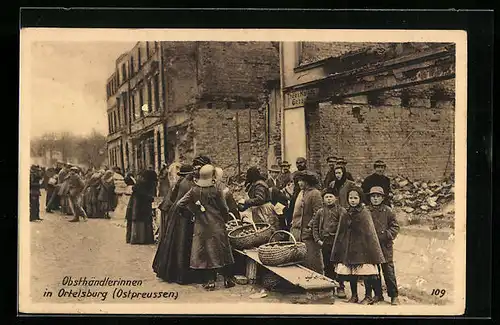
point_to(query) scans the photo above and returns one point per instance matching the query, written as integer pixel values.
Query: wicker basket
(233, 224)
(262, 233)
(282, 253)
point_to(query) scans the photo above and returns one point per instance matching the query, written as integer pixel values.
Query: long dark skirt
(91, 203)
(140, 232)
(34, 207)
(171, 262)
(49, 191)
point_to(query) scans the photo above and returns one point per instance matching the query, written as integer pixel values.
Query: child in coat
(356, 249)
(324, 228)
(387, 228)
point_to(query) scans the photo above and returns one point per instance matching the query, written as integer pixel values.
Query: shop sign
(299, 97)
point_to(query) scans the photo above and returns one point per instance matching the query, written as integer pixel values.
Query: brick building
(170, 101)
(369, 101)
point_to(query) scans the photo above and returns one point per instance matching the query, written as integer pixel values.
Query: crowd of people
(348, 228)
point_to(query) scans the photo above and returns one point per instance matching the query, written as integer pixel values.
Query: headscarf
(338, 183)
(353, 210)
(107, 177)
(253, 175)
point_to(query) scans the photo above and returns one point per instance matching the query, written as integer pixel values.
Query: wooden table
(298, 275)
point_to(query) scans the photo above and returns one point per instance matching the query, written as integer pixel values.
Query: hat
(206, 176)
(201, 160)
(377, 190)
(300, 160)
(379, 163)
(331, 158)
(307, 176)
(328, 190)
(185, 170)
(285, 164)
(74, 169)
(274, 168)
(341, 161)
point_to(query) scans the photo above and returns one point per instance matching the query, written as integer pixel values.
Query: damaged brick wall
(412, 130)
(314, 51)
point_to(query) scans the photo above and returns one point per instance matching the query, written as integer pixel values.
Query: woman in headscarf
(356, 250)
(259, 201)
(172, 259)
(139, 213)
(171, 196)
(210, 250)
(341, 185)
(106, 195)
(226, 192)
(308, 202)
(90, 196)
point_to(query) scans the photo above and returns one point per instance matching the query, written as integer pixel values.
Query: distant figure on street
(107, 195)
(75, 189)
(35, 185)
(163, 181)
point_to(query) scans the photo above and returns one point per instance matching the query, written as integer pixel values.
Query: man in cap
(285, 176)
(272, 180)
(330, 175)
(343, 163)
(378, 178)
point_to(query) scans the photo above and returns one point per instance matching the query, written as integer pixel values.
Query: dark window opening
(139, 57)
(209, 105)
(133, 107)
(157, 92)
(124, 73)
(149, 97)
(405, 99)
(118, 109)
(132, 71)
(375, 99)
(437, 96)
(141, 101)
(147, 50)
(158, 149)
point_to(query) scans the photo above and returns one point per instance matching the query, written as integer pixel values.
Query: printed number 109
(438, 292)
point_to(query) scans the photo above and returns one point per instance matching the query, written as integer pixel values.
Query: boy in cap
(343, 163)
(387, 229)
(378, 179)
(324, 228)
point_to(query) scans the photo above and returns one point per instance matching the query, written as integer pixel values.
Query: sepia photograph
(242, 172)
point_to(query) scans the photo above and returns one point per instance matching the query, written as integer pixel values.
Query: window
(141, 101)
(125, 108)
(114, 122)
(118, 111)
(109, 124)
(133, 107)
(157, 92)
(124, 73)
(132, 71)
(149, 96)
(147, 50)
(139, 57)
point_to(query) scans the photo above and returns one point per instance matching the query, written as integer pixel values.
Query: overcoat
(356, 241)
(387, 228)
(210, 247)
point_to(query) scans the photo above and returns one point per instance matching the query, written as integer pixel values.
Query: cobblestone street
(97, 248)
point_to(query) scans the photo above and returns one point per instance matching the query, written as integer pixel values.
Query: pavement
(96, 249)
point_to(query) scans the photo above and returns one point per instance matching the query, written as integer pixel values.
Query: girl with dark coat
(106, 194)
(341, 185)
(172, 259)
(210, 250)
(139, 213)
(259, 201)
(356, 249)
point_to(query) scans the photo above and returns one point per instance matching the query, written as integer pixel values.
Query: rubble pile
(420, 197)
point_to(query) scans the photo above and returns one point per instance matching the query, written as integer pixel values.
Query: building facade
(175, 100)
(369, 101)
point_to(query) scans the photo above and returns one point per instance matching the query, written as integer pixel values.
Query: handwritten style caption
(79, 288)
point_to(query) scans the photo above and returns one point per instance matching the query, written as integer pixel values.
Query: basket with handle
(250, 235)
(282, 253)
(232, 224)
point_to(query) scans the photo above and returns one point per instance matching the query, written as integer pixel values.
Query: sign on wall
(298, 98)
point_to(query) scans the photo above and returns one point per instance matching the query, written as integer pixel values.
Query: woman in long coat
(308, 202)
(356, 249)
(139, 213)
(107, 194)
(210, 250)
(90, 195)
(172, 259)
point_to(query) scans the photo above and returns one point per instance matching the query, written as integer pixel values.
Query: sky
(68, 85)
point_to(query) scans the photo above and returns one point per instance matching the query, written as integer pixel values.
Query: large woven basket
(233, 224)
(260, 235)
(282, 253)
